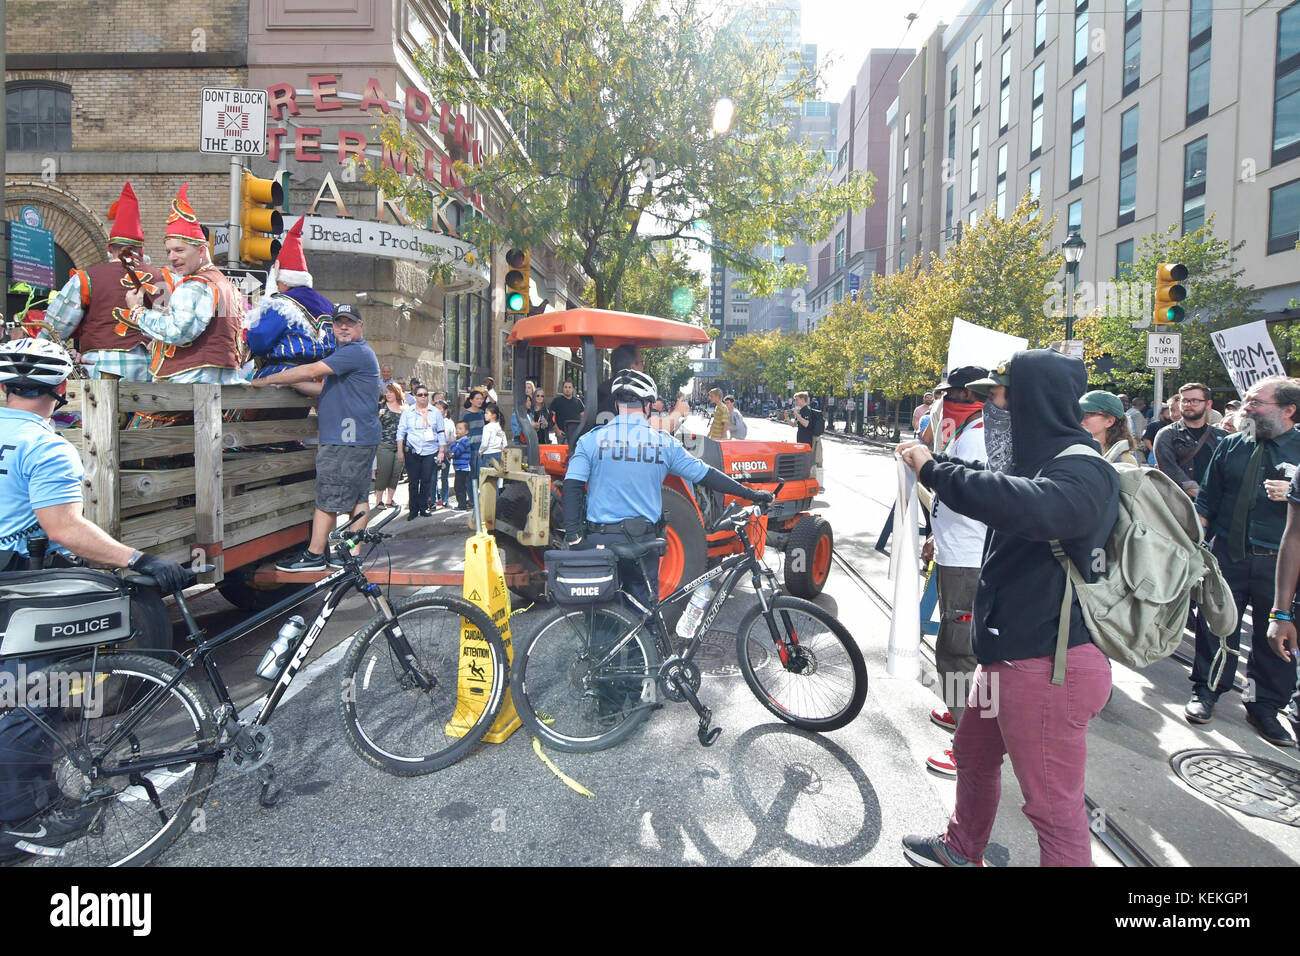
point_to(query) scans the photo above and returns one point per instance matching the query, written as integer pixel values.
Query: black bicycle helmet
(630, 385)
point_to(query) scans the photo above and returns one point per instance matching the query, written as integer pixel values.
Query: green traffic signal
(514, 302)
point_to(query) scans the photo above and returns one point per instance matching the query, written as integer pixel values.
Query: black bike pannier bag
(582, 577)
(45, 611)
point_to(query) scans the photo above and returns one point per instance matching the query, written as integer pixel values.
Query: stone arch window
(38, 116)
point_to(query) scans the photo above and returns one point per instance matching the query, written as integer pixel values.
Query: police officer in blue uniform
(612, 490)
(40, 494)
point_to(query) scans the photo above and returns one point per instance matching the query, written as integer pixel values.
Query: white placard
(1248, 354)
(1164, 350)
(233, 121)
(904, 654)
(972, 344)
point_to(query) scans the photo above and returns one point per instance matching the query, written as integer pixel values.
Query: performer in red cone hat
(292, 323)
(197, 336)
(92, 305)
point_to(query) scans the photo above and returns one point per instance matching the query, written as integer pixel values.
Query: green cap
(998, 376)
(1104, 402)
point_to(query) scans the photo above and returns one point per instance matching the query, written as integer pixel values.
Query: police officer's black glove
(762, 497)
(169, 575)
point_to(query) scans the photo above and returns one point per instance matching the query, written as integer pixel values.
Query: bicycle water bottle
(694, 610)
(276, 655)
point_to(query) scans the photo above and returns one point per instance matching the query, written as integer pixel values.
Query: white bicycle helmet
(33, 364)
(631, 384)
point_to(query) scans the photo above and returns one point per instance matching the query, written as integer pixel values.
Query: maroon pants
(1015, 709)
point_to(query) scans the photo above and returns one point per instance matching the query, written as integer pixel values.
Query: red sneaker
(944, 720)
(945, 765)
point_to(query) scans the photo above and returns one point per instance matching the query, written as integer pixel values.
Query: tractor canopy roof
(607, 329)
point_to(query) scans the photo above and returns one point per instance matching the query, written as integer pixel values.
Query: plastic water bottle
(276, 655)
(687, 623)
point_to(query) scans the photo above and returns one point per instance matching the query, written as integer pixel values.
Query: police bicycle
(141, 738)
(591, 674)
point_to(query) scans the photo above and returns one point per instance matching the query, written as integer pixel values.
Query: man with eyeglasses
(1183, 450)
(1242, 503)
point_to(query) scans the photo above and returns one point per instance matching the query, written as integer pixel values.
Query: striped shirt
(64, 314)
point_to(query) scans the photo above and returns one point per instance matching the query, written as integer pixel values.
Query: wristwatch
(135, 559)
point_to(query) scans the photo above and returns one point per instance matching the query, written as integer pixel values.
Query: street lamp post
(1073, 249)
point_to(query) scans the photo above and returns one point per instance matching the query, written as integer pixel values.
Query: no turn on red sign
(233, 121)
(1164, 350)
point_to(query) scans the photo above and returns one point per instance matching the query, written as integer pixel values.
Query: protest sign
(972, 344)
(1248, 354)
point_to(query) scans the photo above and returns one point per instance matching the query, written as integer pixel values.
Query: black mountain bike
(141, 738)
(590, 675)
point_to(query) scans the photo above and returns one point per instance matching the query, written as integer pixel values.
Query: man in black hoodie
(1028, 497)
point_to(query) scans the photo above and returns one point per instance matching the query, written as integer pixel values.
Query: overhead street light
(1072, 248)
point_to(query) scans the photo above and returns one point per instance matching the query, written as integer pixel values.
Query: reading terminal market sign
(404, 239)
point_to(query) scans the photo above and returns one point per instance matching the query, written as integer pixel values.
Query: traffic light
(1169, 292)
(258, 214)
(517, 298)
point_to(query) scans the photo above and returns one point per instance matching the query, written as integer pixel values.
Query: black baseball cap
(348, 311)
(962, 377)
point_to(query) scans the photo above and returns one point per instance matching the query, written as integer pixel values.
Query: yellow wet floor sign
(485, 587)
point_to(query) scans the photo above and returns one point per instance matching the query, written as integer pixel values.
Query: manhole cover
(1251, 785)
(717, 654)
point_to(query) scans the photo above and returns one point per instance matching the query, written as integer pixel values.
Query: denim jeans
(1014, 709)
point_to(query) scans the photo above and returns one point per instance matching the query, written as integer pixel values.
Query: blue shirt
(624, 464)
(37, 469)
(346, 411)
(423, 431)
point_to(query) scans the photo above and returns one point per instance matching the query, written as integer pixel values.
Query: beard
(1265, 426)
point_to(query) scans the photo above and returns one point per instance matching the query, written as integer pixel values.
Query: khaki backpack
(1155, 564)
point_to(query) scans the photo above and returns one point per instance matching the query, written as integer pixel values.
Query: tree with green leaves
(663, 284)
(1216, 299)
(998, 276)
(613, 105)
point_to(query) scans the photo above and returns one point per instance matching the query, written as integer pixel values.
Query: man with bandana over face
(1028, 497)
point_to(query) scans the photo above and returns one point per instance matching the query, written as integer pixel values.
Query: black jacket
(1175, 442)
(1074, 499)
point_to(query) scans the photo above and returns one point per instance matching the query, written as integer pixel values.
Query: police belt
(637, 527)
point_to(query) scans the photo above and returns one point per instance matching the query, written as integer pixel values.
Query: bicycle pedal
(271, 793)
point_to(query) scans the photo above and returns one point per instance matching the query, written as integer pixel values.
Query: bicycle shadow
(804, 795)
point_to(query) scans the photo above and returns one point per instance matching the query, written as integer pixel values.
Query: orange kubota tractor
(526, 517)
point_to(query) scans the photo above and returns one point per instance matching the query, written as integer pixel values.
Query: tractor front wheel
(808, 556)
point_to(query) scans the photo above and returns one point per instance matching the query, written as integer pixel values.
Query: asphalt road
(764, 794)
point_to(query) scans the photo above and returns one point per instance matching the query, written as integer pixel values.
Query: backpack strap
(1063, 624)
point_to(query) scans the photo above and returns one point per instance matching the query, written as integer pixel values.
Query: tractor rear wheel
(687, 554)
(512, 552)
(808, 556)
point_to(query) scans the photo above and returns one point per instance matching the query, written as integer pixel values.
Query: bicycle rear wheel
(581, 683)
(140, 812)
(391, 720)
(815, 678)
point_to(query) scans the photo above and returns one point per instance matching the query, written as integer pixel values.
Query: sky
(846, 30)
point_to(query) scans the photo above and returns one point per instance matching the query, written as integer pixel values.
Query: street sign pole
(1160, 391)
(236, 186)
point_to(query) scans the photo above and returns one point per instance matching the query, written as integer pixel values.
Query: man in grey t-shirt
(349, 431)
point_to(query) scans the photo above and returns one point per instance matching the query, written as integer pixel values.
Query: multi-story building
(854, 250)
(83, 116)
(1121, 121)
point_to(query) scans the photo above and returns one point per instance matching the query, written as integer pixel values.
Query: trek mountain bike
(590, 675)
(141, 738)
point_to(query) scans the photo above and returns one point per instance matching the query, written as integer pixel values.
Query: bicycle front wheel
(814, 677)
(143, 796)
(584, 681)
(410, 701)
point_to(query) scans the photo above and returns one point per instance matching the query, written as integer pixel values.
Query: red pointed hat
(183, 224)
(125, 213)
(291, 264)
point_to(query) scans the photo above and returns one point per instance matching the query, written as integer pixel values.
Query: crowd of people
(1020, 462)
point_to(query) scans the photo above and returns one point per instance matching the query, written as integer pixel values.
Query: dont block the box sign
(233, 121)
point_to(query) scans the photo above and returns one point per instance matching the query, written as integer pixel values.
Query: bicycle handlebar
(736, 508)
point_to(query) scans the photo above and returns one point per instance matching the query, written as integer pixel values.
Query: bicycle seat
(635, 549)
